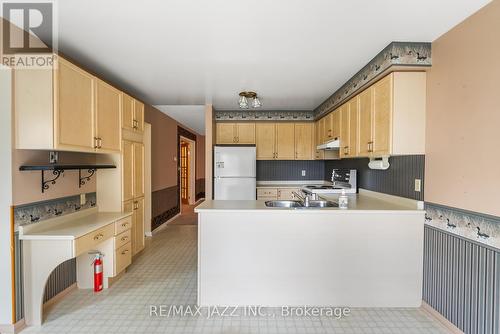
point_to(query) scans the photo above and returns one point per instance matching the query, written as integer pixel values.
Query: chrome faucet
(305, 199)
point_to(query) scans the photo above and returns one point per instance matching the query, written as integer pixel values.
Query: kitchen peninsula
(369, 255)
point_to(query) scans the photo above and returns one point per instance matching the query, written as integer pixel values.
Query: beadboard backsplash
(398, 180)
(290, 170)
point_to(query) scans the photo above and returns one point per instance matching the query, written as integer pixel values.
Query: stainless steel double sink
(300, 205)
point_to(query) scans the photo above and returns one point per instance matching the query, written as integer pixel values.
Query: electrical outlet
(83, 200)
(418, 185)
(303, 172)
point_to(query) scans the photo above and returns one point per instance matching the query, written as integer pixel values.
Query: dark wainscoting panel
(165, 205)
(60, 279)
(398, 180)
(462, 281)
(290, 170)
(200, 189)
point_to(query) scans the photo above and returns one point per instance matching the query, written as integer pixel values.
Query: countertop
(289, 184)
(364, 201)
(71, 226)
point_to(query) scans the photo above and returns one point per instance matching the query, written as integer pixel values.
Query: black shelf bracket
(86, 178)
(45, 183)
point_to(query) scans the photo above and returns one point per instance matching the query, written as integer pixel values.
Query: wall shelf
(58, 169)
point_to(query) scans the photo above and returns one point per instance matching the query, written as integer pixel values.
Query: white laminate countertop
(289, 184)
(70, 226)
(365, 201)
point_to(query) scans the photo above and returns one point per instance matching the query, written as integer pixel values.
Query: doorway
(187, 165)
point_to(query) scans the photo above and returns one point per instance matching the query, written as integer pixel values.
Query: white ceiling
(190, 116)
(293, 53)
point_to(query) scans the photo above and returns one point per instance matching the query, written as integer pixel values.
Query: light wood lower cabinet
(235, 133)
(90, 240)
(138, 225)
(270, 194)
(123, 258)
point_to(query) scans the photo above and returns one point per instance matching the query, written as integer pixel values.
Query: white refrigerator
(234, 173)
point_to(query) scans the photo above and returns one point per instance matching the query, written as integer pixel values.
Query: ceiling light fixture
(243, 100)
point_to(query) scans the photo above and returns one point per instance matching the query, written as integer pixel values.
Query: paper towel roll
(379, 164)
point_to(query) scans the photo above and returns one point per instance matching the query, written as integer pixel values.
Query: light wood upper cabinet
(74, 108)
(108, 113)
(353, 107)
(328, 127)
(127, 112)
(285, 139)
(66, 108)
(265, 139)
(235, 133)
(335, 120)
(245, 133)
(304, 141)
(322, 130)
(382, 117)
(365, 122)
(128, 170)
(139, 116)
(318, 140)
(225, 133)
(345, 141)
(138, 169)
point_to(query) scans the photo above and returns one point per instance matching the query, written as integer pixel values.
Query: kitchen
(302, 188)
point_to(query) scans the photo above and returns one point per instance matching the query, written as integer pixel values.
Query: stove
(342, 179)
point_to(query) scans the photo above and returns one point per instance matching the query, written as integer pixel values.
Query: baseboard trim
(13, 329)
(54, 300)
(162, 226)
(439, 317)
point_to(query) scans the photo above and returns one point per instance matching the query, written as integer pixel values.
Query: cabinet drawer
(288, 194)
(123, 257)
(122, 238)
(123, 225)
(267, 192)
(90, 240)
(267, 198)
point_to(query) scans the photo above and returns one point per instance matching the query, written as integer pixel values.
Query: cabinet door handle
(136, 124)
(95, 142)
(125, 252)
(98, 236)
(100, 142)
(124, 238)
(124, 224)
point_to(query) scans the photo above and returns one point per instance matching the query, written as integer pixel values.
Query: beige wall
(200, 157)
(463, 115)
(26, 185)
(164, 149)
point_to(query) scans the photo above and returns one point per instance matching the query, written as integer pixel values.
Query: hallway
(165, 274)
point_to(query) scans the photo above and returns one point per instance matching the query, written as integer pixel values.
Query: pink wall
(463, 115)
(26, 187)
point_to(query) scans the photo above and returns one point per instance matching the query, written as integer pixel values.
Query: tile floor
(165, 274)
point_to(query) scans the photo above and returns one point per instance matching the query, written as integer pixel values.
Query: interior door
(382, 116)
(74, 108)
(265, 139)
(245, 133)
(108, 113)
(128, 170)
(184, 171)
(303, 141)
(225, 133)
(365, 122)
(138, 170)
(285, 141)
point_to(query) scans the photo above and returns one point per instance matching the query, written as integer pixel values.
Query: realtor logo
(28, 33)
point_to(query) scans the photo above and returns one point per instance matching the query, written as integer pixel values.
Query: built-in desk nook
(51, 242)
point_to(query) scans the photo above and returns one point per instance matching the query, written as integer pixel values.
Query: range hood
(330, 145)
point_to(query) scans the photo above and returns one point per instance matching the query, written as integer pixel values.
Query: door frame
(192, 171)
(189, 137)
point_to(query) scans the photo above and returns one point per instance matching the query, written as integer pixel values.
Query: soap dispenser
(343, 200)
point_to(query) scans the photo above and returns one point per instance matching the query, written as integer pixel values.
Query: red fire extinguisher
(98, 274)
